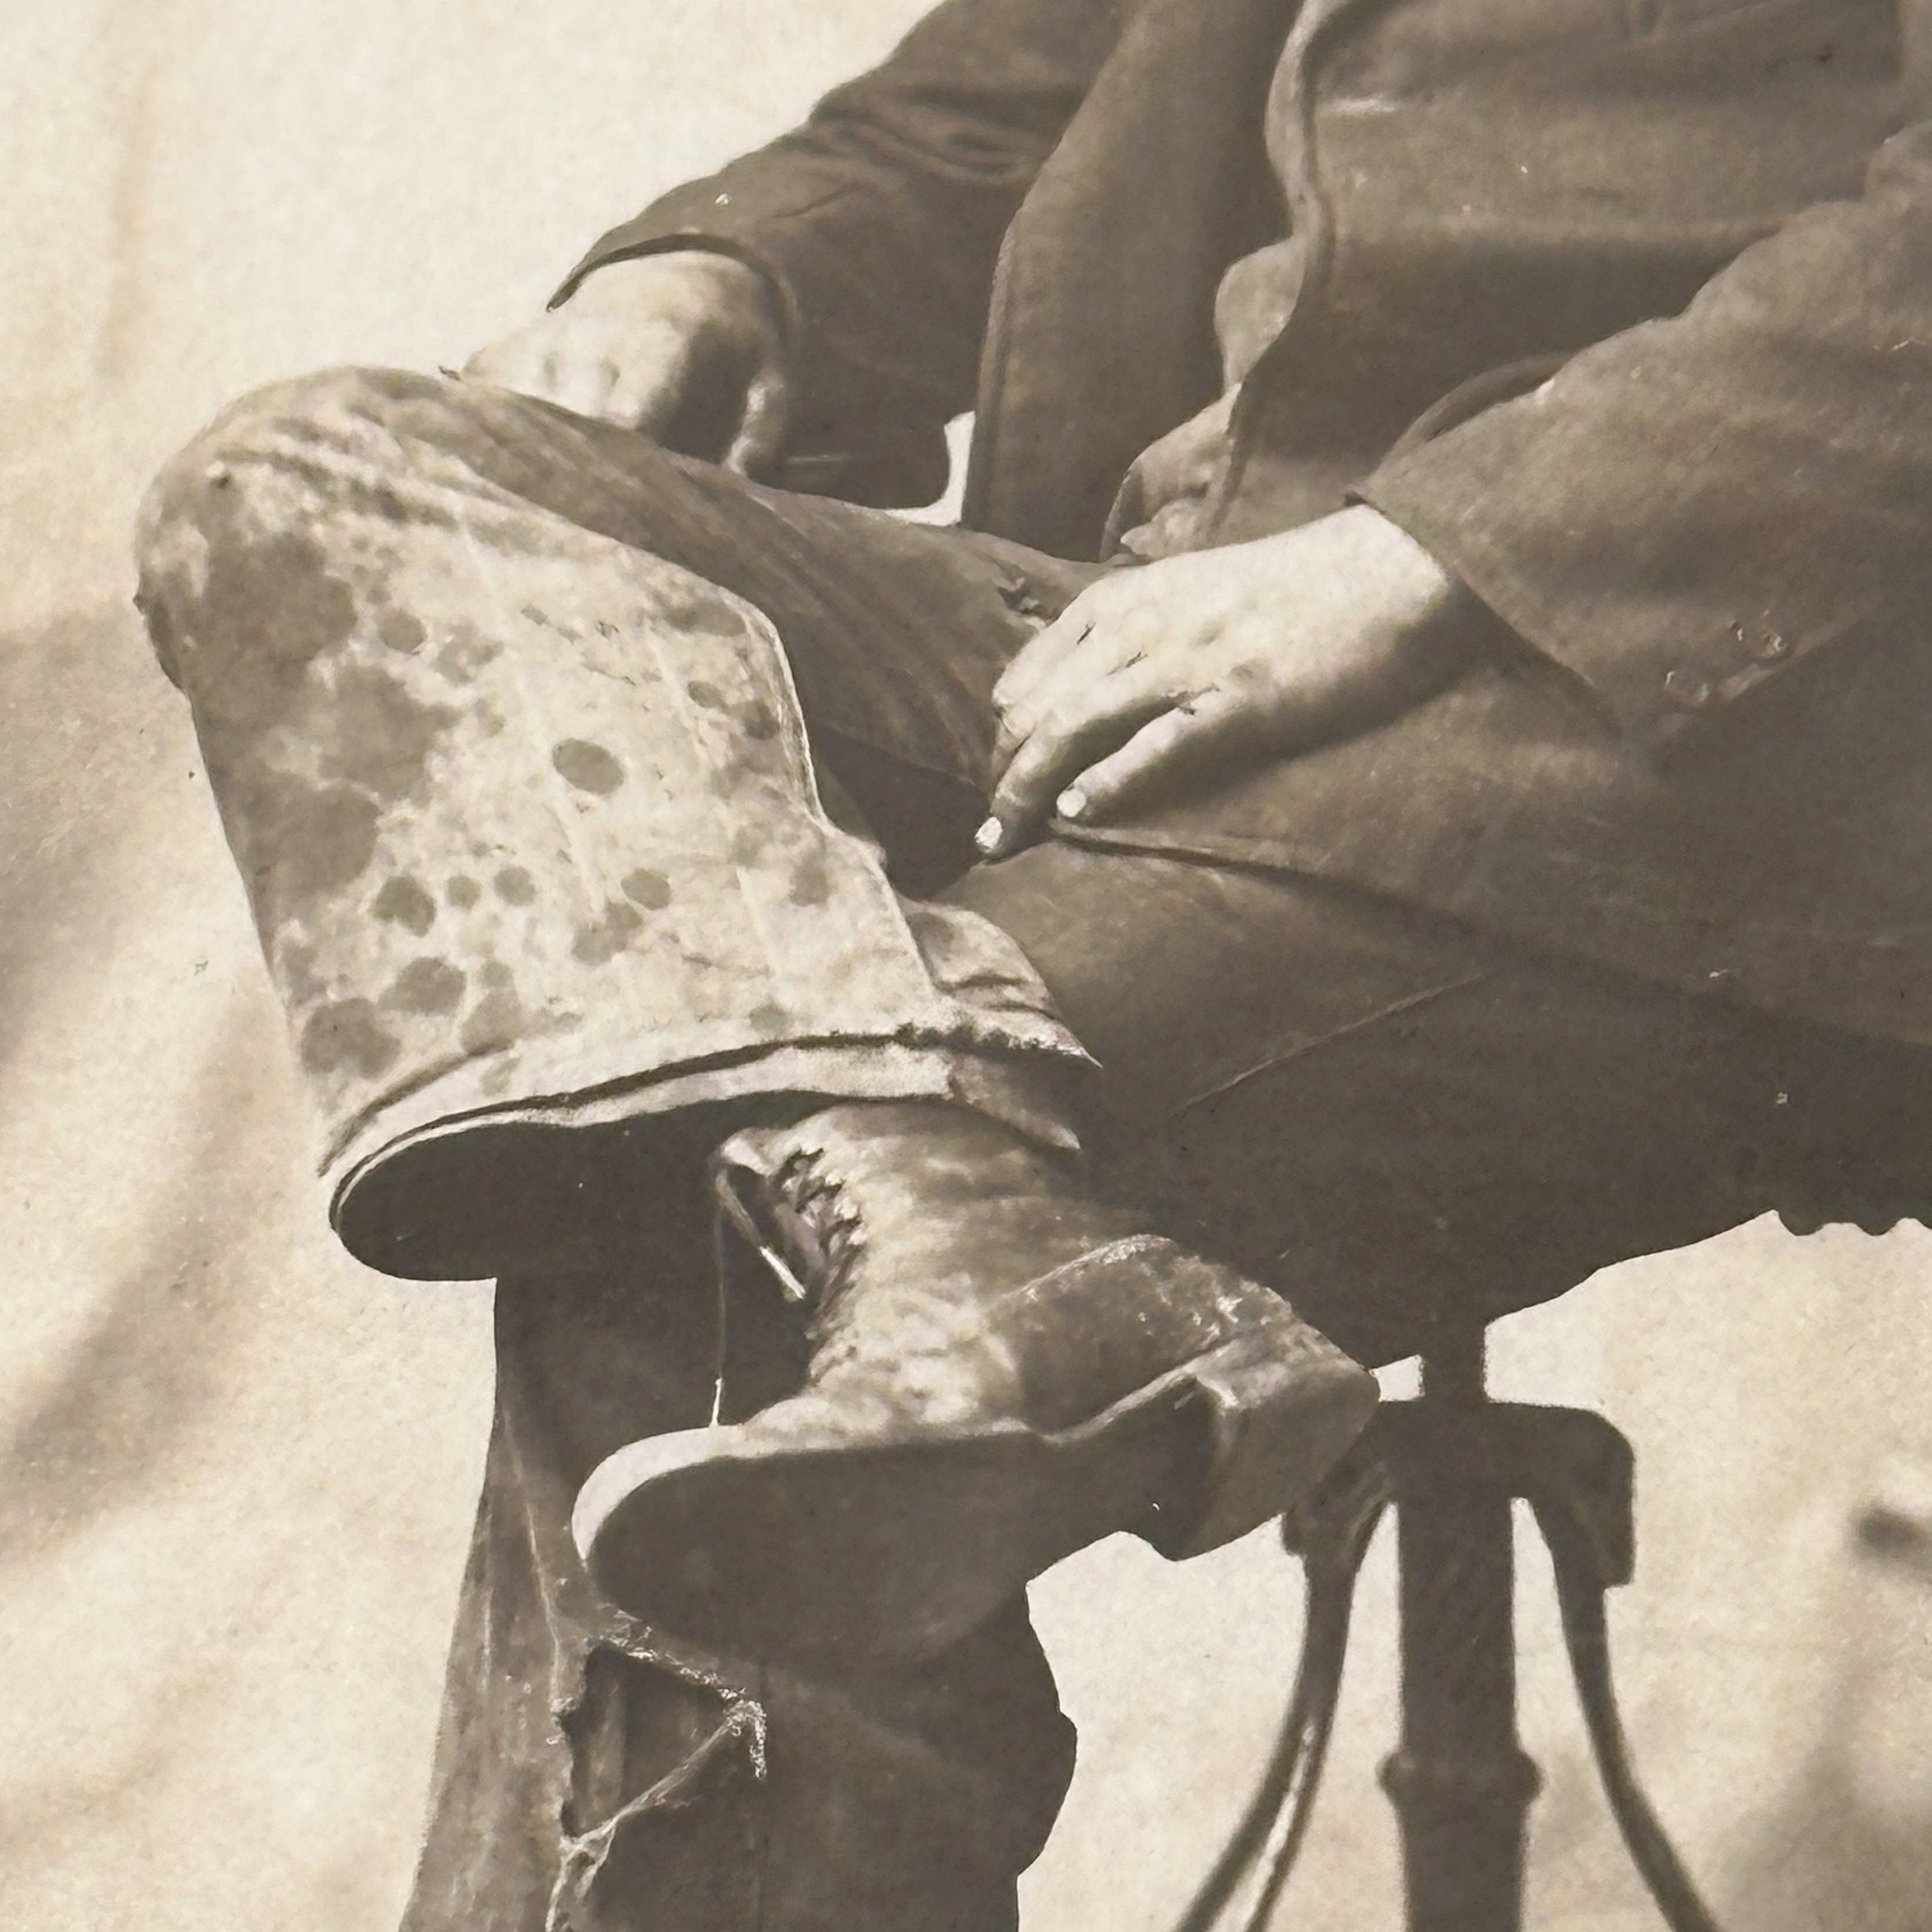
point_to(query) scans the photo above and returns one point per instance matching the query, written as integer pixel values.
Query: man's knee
(312, 404)
(226, 482)
(267, 434)
(275, 425)
(253, 487)
(256, 505)
(275, 455)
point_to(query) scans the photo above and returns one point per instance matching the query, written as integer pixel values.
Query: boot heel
(1280, 1410)
(1270, 1403)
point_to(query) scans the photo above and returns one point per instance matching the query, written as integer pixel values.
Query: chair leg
(1268, 1839)
(1461, 1782)
(1581, 1587)
(1452, 1465)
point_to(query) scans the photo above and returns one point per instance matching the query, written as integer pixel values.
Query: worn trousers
(590, 799)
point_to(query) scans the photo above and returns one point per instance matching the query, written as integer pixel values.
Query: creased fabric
(593, 1775)
(1396, 1120)
(527, 815)
(1708, 528)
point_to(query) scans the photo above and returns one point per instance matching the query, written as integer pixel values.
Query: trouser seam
(1406, 1003)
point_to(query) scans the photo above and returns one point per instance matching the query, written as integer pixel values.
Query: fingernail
(989, 837)
(1071, 803)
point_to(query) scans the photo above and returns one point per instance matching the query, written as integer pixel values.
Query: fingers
(1019, 714)
(1131, 644)
(1044, 653)
(518, 363)
(1153, 764)
(584, 384)
(634, 379)
(1088, 643)
(644, 396)
(1065, 771)
(549, 370)
(1064, 742)
(683, 346)
(1113, 660)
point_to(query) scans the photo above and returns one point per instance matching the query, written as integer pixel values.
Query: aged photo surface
(966, 966)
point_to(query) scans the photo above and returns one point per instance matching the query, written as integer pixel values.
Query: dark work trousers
(590, 799)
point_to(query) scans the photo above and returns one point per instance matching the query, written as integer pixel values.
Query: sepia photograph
(966, 966)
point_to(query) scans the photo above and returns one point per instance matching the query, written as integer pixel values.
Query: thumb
(1129, 510)
(755, 449)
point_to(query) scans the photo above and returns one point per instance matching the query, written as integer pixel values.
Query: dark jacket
(1712, 528)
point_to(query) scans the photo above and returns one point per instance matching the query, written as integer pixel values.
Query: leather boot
(1003, 1369)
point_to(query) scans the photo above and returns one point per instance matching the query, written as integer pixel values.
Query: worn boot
(1003, 1369)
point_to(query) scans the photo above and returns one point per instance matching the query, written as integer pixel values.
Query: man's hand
(686, 347)
(1250, 652)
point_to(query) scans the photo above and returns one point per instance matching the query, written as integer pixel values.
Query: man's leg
(524, 803)
(1203, 993)
(393, 641)
(1406, 1126)
(446, 671)
(596, 1775)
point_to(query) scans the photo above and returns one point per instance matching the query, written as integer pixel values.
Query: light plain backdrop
(235, 1471)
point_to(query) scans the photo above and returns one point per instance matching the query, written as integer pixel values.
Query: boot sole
(890, 1552)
